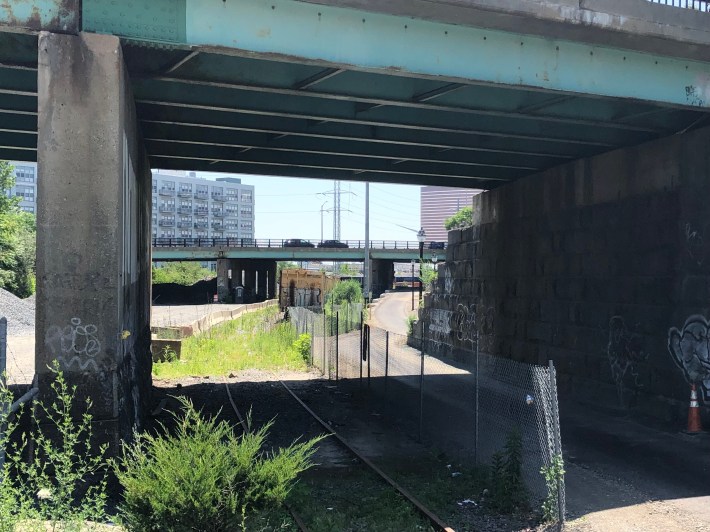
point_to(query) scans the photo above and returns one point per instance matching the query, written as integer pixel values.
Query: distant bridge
(167, 249)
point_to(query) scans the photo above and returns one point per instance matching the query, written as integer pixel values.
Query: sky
(290, 208)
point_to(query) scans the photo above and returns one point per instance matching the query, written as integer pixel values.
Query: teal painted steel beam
(59, 16)
(335, 37)
(355, 255)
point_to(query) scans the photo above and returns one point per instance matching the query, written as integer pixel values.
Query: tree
(185, 273)
(461, 220)
(345, 292)
(284, 265)
(17, 239)
(347, 271)
(427, 274)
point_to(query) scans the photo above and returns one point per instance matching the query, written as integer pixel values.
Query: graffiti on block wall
(448, 281)
(690, 350)
(74, 346)
(624, 350)
(694, 243)
(307, 297)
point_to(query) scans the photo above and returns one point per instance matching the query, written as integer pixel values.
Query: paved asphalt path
(391, 311)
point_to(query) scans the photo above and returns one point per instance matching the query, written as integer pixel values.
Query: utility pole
(336, 210)
(366, 268)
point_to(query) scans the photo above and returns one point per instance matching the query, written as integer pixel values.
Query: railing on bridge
(281, 243)
(698, 5)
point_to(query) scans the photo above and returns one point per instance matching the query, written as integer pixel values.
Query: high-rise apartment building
(25, 185)
(183, 205)
(439, 203)
(186, 206)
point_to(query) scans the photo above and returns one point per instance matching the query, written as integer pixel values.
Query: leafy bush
(17, 239)
(461, 220)
(508, 492)
(64, 486)
(302, 346)
(345, 292)
(204, 477)
(185, 273)
(427, 275)
(411, 320)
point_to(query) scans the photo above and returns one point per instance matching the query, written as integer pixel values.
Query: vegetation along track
(335, 451)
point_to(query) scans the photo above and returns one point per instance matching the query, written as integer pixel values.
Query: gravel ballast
(20, 314)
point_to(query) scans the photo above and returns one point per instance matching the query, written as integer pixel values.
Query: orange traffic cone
(695, 426)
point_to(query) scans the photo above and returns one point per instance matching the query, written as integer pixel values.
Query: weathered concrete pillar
(250, 277)
(272, 280)
(263, 280)
(93, 230)
(222, 279)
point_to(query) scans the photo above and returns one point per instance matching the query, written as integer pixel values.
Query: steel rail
(245, 427)
(423, 510)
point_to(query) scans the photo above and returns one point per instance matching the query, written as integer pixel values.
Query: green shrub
(302, 346)
(204, 477)
(462, 219)
(508, 492)
(411, 320)
(554, 480)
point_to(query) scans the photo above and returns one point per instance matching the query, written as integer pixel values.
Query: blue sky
(290, 208)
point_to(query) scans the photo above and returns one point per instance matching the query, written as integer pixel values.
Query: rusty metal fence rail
(469, 406)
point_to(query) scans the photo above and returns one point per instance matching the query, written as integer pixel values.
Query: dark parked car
(437, 245)
(298, 243)
(332, 244)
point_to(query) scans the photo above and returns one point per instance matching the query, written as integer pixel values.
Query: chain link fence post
(3, 349)
(313, 339)
(361, 344)
(337, 344)
(421, 385)
(387, 359)
(561, 503)
(369, 358)
(476, 395)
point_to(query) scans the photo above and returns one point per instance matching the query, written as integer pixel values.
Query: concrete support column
(272, 280)
(250, 278)
(93, 231)
(222, 279)
(263, 268)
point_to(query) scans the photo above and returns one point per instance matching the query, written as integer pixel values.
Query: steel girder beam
(58, 16)
(291, 143)
(330, 161)
(423, 120)
(404, 46)
(235, 121)
(170, 162)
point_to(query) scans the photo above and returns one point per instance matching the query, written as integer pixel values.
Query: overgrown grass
(353, 500)
(256, 340)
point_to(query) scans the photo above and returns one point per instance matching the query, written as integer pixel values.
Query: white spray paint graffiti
(690, 349)
(624, 350)
(694, 244)
(74, 345)
(448, 281)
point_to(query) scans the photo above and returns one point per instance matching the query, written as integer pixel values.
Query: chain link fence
(465, 401)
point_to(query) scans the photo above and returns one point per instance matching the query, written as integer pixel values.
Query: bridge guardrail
(697, 5)
(280, 243)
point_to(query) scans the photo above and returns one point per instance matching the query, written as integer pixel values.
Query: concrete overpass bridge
(252, 262)
(551, 103)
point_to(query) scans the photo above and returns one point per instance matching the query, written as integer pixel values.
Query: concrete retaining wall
(602, 265)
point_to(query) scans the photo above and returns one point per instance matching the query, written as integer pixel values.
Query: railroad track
(436, 523)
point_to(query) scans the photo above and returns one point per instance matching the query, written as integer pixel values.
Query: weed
(204, 477)
(64, 486)
(411, 320)
(554, 478)
(302, 346)
(508, 492)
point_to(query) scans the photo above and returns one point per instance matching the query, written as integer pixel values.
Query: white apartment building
(186, 206)
(25, 185)
(183, 205)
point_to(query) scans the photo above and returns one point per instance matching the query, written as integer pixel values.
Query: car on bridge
(298, 243)
(437, 245)
(333, 244)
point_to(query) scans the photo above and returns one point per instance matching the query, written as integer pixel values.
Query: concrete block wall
(603, 266)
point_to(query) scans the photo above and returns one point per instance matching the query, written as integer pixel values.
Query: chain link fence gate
(463, 400)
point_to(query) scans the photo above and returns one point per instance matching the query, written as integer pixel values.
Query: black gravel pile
(20, 314)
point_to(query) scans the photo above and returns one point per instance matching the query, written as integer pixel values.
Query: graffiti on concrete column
(74, 346)
(307, 297)
(690, 349)
(624, 350)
